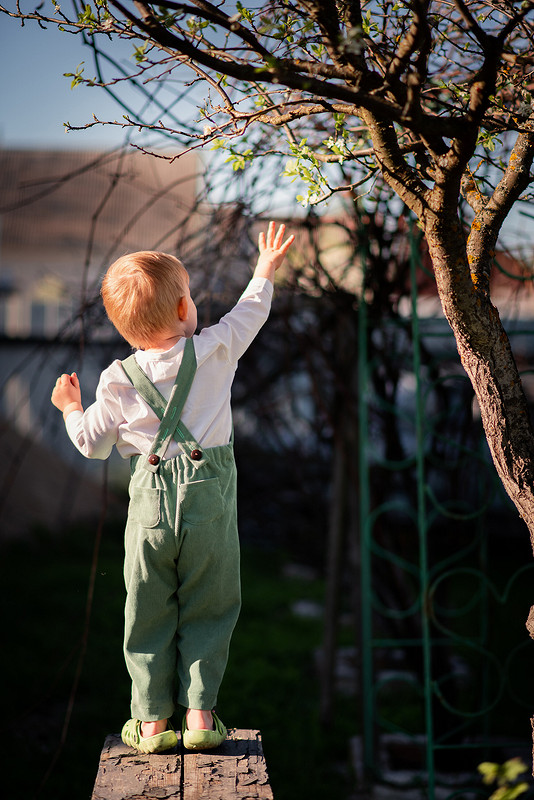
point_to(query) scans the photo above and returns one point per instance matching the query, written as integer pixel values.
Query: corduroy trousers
(182, 580)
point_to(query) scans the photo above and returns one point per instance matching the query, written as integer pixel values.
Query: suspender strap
(169, 413)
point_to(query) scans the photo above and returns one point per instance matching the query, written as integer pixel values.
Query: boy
(181, 545)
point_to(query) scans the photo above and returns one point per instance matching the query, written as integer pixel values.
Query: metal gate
(446, 573)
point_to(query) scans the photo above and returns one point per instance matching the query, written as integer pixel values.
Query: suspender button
(153, 459)
(196, 455)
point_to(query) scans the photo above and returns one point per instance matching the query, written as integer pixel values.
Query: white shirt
(120, 417)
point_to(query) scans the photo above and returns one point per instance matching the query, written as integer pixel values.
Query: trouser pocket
(201, 502)
(145, 506)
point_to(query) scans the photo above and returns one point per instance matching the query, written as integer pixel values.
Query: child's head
(141, 292)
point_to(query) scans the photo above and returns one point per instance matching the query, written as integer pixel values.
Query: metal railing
(445, 659)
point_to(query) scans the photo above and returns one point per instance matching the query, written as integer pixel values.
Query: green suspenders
(169, 413)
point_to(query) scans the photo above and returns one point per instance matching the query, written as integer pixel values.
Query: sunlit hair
(141, 292)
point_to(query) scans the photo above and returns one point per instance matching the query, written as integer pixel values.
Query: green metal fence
(447, 575)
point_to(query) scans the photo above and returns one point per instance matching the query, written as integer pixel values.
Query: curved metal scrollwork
(445, 659)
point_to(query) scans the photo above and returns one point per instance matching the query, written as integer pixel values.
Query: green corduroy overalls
(181, 565)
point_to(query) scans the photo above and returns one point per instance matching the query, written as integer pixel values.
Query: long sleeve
(240, 326)
(119, 416)
(95, 431)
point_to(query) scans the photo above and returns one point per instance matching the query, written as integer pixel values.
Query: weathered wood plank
(126, 775)
(236, 770)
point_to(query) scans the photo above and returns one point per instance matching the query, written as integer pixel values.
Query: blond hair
(141, 292)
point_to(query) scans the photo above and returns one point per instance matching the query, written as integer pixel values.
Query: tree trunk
(487, 358)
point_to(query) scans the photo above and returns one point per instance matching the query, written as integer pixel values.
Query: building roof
(63, 210)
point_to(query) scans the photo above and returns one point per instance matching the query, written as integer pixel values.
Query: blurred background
(387, 578)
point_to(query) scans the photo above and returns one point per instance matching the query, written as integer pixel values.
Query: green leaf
(140, 52)
(509, 792)
(244, 12)
(239, 160)
(488, 140)
(489, 771)
(86, 16)
(504, 775)
(218, 144)
(512, 768)
(77, 77)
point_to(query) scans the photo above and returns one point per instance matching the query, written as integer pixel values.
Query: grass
(270, 683)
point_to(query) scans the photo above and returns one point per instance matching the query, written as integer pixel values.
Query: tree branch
(353, 14)
(471, 193)
(325, 14)
(471, 24)
(396, 172)
(452, 165)
(281, 72)
(518, 17)
(213, 14)
(417, 34)
(490, 216)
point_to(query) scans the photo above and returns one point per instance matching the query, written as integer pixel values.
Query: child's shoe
(204, 740)
(131, 735)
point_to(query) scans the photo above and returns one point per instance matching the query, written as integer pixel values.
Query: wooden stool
(237, 769)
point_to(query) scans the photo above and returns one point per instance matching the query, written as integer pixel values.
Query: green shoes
(193, 740)
(204, 740)
(131, 735)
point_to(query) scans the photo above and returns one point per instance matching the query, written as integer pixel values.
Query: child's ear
(182, 309)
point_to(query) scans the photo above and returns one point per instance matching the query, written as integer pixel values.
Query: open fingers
(274, 239)
(268, 240)
(287, 244)
(278, 239)
(271, 232)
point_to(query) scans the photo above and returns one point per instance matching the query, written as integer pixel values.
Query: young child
(181, 544)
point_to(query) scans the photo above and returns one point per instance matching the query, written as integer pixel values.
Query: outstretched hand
(273, 250)
(66, 394)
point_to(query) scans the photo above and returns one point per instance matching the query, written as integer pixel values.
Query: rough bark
(487, 358)
(462, 269)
